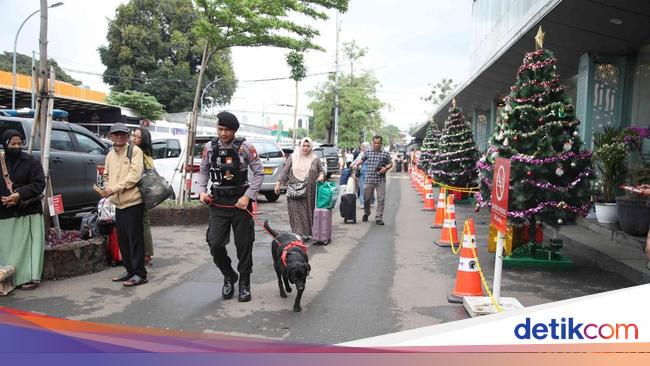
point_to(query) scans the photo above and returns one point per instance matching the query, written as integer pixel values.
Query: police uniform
(223, 174)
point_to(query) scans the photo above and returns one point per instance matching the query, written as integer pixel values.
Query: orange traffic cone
(449, 234)
(468, 280)
(255, 210)
(421, 183)
(439, 219)
(429, 201)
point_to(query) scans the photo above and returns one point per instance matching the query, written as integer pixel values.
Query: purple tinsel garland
(582, 210)
(560, 157)
(552, 187)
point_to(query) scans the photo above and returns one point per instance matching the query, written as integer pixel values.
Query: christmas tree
(429, 147)
(454, 163)
(550, 176)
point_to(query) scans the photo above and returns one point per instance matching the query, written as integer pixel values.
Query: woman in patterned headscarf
(303, 166)
(21, 212)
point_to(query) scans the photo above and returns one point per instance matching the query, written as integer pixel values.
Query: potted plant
(633, 209)
(609, 156)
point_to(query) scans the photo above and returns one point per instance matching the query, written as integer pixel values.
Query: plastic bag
(326, 194)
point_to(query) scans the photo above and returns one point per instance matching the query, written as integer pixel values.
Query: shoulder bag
(297, 190)
(153, 188)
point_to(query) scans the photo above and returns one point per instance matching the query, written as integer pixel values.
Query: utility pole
(336, 81)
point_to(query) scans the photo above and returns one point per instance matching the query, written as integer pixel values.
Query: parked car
(170, 152)
(74, 157)
(329, 156)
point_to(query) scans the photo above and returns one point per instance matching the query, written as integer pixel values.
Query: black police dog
(290, 262)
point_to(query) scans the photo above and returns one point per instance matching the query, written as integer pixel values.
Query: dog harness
(291, 245)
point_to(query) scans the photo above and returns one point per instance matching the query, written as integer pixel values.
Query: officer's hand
(205, 198)
(242, 203)
(277, 188)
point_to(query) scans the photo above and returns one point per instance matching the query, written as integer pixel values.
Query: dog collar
(291, 245)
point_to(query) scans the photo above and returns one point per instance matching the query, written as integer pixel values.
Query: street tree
(353, 53)
(358, 108)
(24, 66)
(439, 92)
(234, 23)
(152, 49)
(296, 62)
(390, 134)
(145, 105)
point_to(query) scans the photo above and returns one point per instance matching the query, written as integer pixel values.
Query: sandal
(29, 286)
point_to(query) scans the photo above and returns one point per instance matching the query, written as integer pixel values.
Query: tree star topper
(453, 103)
(539, 39)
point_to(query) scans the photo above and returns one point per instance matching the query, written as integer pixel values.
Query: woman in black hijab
(21, 211)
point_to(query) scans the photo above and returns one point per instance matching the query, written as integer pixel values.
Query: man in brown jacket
(121, 175)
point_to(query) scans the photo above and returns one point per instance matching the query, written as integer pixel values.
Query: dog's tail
(267, 227)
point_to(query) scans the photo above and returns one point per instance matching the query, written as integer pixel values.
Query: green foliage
(551, 178)
(250, 23)
(353, 53)
(610, 152)
(440, 91)
(152, 49)
(24, 66)
(296, 62)
(358, 109)
(142, 103)
(390, 135)
(300, 132)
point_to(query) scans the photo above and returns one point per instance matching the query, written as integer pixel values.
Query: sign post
(499, 216)
(499, 219)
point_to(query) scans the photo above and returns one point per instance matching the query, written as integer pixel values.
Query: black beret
(228, 120)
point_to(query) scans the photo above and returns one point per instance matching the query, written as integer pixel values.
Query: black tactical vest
(225, 168)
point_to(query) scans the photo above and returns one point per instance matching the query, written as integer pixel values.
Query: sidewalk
(608, 247)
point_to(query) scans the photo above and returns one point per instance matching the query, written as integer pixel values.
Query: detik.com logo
(569, 328)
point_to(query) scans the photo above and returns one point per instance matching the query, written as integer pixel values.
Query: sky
(410, 44)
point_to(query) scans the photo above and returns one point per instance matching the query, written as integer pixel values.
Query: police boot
(245, 287)
(228, 289)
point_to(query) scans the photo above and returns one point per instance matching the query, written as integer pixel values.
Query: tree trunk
(191, 135)
(43, 104)
(295, 116)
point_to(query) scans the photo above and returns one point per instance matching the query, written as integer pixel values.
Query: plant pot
(606, 213)
(634, 215)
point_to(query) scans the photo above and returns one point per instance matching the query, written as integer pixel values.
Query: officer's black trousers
(130, 233)
(218, 235)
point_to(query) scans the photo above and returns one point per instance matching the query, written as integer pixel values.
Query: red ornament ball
(516, 138)
(529, 173)
(477, 208)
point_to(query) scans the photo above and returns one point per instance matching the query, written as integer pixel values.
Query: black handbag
(154, 189)
(297, 190)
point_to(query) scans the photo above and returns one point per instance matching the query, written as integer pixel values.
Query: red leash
(250, 213)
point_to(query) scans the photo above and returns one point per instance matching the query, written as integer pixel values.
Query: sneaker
(121, 278)
(379, 222)
(135, 281)
(364, 218)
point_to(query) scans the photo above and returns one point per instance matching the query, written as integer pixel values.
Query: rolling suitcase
(321, 231)
(348, 208)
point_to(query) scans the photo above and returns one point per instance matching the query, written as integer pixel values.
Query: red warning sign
(500, 189)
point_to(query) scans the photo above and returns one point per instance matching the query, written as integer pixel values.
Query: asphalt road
(371, 280)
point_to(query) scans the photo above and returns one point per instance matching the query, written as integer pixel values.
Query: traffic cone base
(468, 280)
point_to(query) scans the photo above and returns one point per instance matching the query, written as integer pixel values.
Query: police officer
(223, 181)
